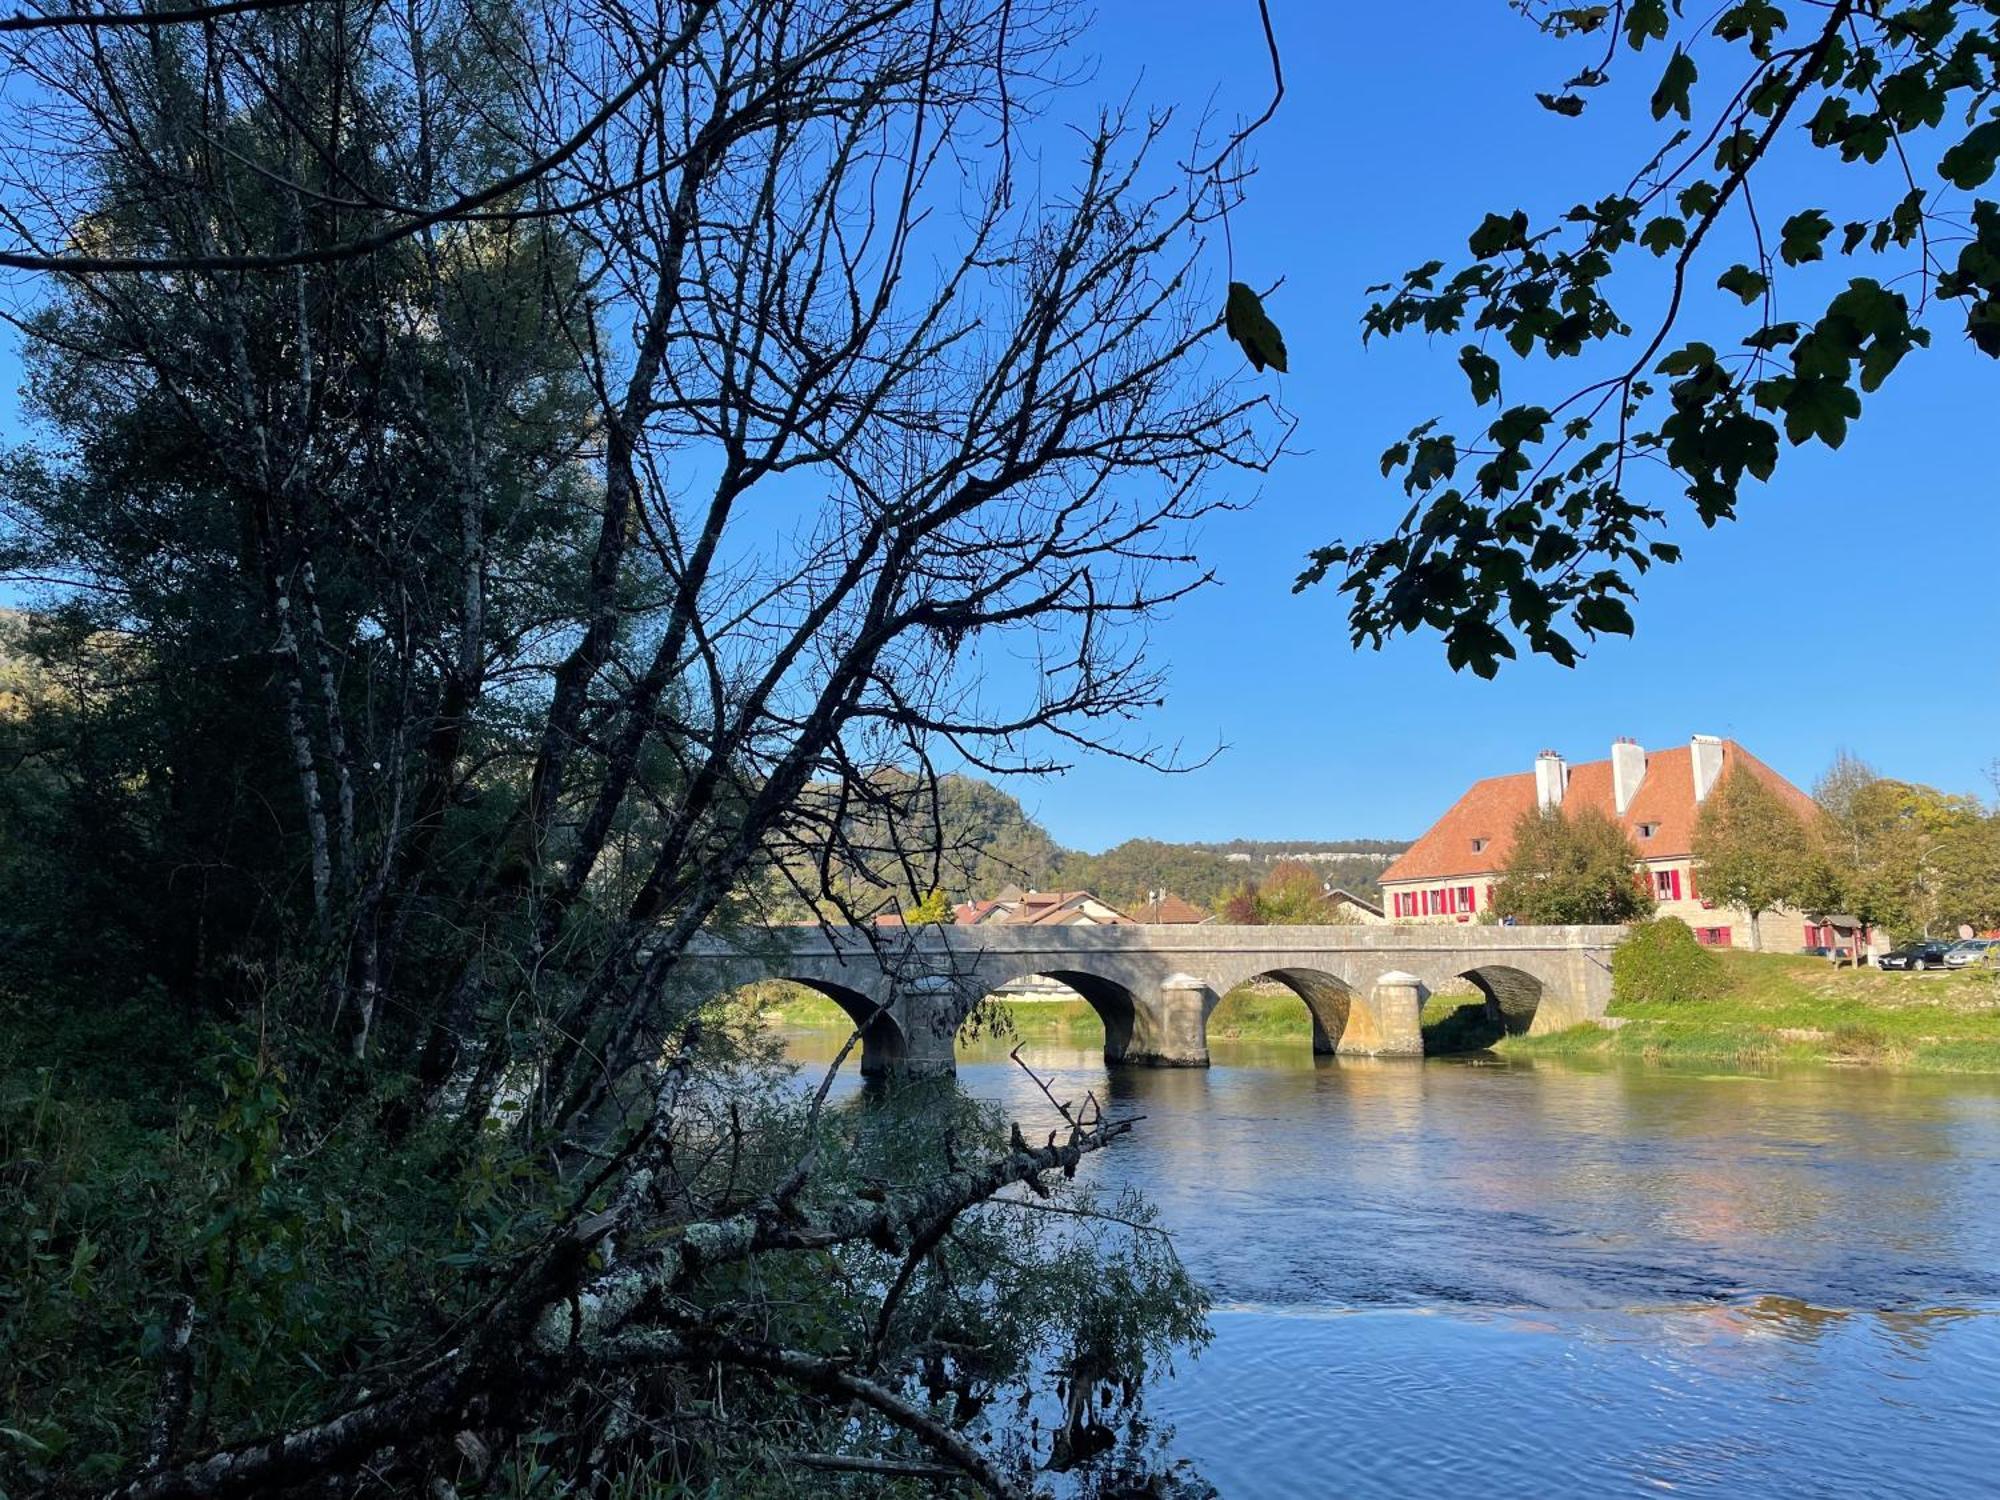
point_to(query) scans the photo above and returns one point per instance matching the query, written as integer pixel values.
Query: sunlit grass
(1780, 1008)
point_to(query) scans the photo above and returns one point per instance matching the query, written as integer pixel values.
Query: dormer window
(1479, 845)
(1647, 830)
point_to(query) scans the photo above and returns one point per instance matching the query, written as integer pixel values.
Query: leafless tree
(681, 424)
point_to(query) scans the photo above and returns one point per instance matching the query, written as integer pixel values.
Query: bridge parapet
(1155, 987)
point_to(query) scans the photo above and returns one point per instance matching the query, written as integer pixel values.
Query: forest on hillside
(986, 840)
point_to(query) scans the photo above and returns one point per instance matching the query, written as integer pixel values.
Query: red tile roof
(1035, 909)
(1169, 910)
(1491, 808)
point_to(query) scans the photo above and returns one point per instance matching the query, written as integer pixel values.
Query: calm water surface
(1446, 1278)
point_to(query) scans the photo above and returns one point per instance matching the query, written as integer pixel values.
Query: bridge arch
(1113, 1002)
(884, 1048)
(1328, 998)
(1513, 995)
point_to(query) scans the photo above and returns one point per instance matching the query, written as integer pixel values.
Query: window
(1667, 884)
(1479, 845)
(1647, 830)
(1712, 937)
(1467, 901)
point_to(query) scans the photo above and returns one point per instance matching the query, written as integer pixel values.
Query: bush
(1660, 960)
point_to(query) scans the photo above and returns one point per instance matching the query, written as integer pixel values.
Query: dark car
(1915, 956)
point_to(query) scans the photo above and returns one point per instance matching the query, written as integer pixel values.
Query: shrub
(1660, 960)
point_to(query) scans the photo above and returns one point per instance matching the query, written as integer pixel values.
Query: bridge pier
(1386, 1019)
(930, 1008)
(1172, 1031)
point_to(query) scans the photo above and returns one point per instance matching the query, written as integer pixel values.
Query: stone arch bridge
(1154, 988)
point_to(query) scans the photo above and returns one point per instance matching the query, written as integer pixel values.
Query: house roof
(1338, 895)
(1169, 910)
(1488, 811)
(1038, 909)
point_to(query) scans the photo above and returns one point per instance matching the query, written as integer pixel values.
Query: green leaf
(1245, 321)
(1663, 234)
(1748, 285)
(1969, 163)
(1644, 20)
(1803, 236)
(1603, 615)
(1482, 372)
(1675, 82)
(1496, 234)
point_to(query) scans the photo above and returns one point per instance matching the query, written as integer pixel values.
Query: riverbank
(1783, 1008)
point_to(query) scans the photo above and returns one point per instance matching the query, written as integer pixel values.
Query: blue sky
(1869, 566)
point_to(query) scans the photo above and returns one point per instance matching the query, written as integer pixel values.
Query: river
(1467, 1278)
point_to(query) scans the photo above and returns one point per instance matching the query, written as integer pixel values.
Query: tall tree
(500, 593)
(1294, 894)
(1571, 865)
(1756, 852)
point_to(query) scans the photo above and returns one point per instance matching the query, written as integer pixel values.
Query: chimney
(1628, 769)
(1705, 756)
(1551, 780)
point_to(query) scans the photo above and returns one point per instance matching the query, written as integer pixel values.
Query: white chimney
(1705, 755)
(1551, 780)
(1628, 769)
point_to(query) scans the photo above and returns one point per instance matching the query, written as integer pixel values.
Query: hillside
(991, 842)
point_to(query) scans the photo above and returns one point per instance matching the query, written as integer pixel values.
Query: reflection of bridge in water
(1155, 987)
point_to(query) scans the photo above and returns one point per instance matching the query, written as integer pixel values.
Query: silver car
(1972, 951)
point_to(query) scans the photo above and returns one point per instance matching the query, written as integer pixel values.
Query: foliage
(1571, 865)
(1910, 857)
(1756, 852)
(1536, 528)
(933, 911)
(312, 1256)
(1293, 894)
(1660, 962)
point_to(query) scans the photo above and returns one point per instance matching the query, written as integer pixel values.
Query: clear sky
(1853, 606)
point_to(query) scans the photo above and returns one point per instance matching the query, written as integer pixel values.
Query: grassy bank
(1785, 1009)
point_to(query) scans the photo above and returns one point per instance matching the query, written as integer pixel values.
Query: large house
(1450, 873)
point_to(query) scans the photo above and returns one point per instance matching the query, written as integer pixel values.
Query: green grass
(1779, 1008)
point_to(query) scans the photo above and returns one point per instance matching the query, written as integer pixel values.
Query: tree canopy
(1756, 852)
(1571, 865)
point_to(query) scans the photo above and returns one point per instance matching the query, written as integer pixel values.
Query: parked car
(1915, 956)
(1973, 951)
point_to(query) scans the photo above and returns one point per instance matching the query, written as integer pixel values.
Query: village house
(1014, 907)
(1450, 873)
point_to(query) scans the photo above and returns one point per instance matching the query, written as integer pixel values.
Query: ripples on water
(1446, 1279)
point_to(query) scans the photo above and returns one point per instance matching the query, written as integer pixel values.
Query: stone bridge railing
(1155, 987)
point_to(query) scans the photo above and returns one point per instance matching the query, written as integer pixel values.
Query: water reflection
(1449, 1278)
